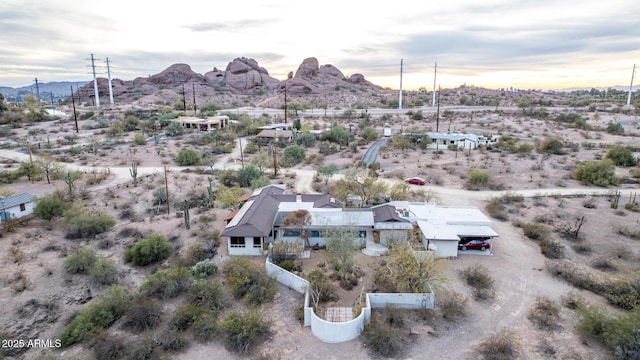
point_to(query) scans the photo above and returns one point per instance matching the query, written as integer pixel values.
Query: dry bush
(535, 231)
(604, 264)
(453, 305)
(552, 249)
(545, 314)
(499, 346)
(143, 313)
(479, 278)
(572, 300)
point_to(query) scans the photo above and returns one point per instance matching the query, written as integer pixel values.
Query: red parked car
(475, 244)
(415, 181)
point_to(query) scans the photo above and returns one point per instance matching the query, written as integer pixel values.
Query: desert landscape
(559, 187)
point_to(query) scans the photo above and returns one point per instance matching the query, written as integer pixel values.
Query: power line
(95, 81)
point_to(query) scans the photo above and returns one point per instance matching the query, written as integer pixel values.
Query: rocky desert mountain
(242, 77)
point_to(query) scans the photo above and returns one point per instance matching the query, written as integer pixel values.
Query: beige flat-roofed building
(207, 124)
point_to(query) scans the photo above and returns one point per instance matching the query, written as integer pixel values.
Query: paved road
(372, 153)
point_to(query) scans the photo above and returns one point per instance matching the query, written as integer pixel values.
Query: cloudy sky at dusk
(546, 44)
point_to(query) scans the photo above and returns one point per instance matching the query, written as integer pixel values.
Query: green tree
(262, 161)
(354, 183)
(297, 221)
(293, 154)
(478, 177)
(339, 135)
(188, 157)
(50, 206)
(399, 191)
(306, 139)
(621, 156)
(340, 247)
(248, 174)
(326, 172)
(174, 129)
(229, 197)
(400, 142)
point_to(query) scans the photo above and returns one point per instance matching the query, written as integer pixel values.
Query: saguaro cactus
(134, 173)
(185, 212)
(211, 192)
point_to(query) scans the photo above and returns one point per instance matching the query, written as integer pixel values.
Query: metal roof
(15, 200)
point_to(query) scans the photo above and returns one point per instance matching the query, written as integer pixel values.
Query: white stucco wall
(248, 248)
(446, 248)
(15, 213)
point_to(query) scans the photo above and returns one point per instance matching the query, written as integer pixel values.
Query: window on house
(288, 232)
(22, 207)
(237, 242)
(257, 242)
(316, 233)
(362, 234)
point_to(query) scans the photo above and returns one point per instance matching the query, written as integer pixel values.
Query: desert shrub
(94, 318)
(50, 206)
(207, 294)
(141, 349)
(453, 305)
(204, 268)
(497, 209)
(615, 128)
(621, 156)
(545, 314)
(139, 139)
(173, 341)
(143, 313)
(620, 334)
(206, 327)
(321, 288)
(624, 294)
(478, 178)
(552, 249)
(167, 283)
(572, 300)
(535, 231)
(478, 277)
(188, 157)
(81, 261)
(552, 145)
(104, 272)
(248, 282)
(80, 223)
(149, 250)
(499, 346)
(243, 331)
(601, 173)
(108, 347)
(383, 339)
(185, 316)
(287, 264)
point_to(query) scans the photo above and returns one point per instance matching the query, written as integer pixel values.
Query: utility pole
(438, 112)
(195, 108)
(241, 153)
(184, 101)
(400, 95)
(285, 102)
(75, 116)
(95, 81)
(275, 154)
(166, 189)
(435, 71)
(630, 86)
(110, 87)
(37, 91)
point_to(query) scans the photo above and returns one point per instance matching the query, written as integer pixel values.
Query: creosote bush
(248, 282)
(81, 261)
(80, 223)
(384, 339)
(104, 272)
(453, 305)
(243, 331)
(620, 334)
(100, 314)
(188, 157)
(50, 206)
(149, 250)
(169, 283)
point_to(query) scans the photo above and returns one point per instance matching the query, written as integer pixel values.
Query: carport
(446, 236)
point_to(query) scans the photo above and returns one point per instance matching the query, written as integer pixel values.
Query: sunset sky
(525, 44)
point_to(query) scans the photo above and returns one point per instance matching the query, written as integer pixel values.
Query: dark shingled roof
(386, 213)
